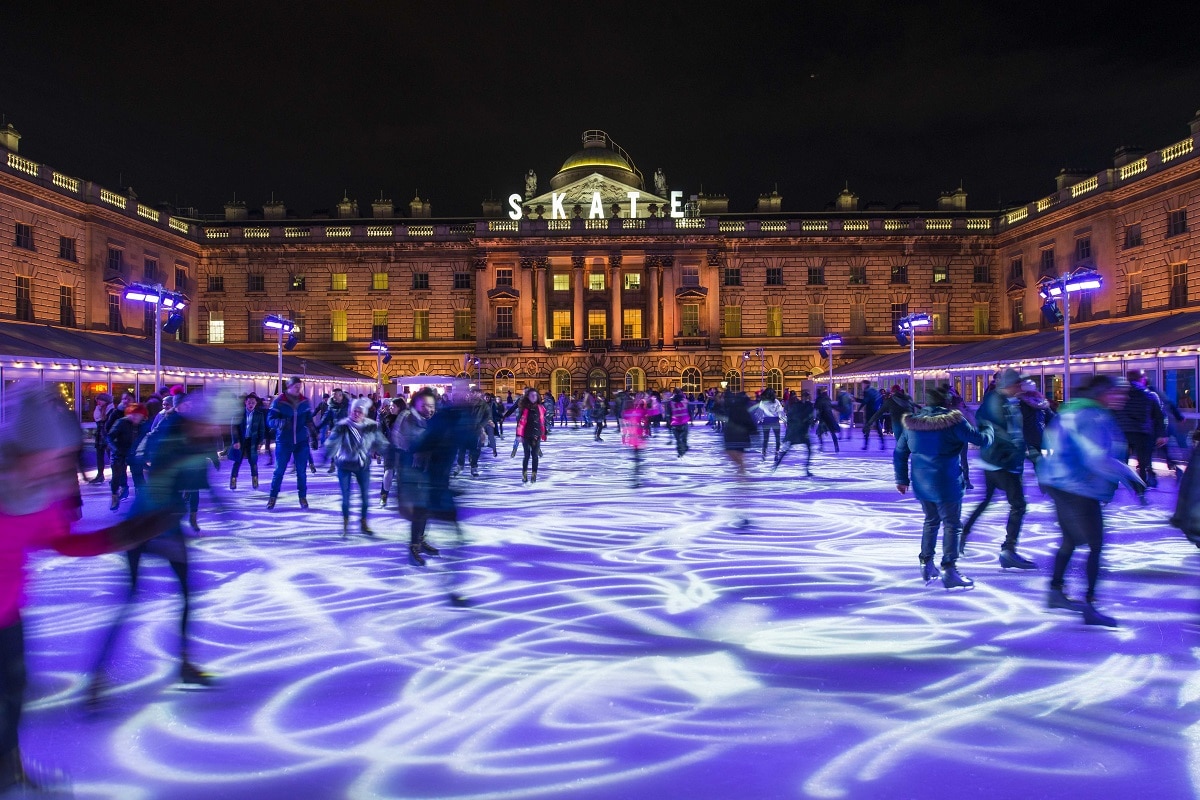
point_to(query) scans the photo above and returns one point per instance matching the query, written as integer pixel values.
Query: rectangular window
(256, 283)
(462, 280)
(504, 276)
(1081, 307)
(504, 320)
(633, 281)
(254, 327)
(816, 276)
(149, 317)
(900, 273)
(1133, 300)
(1046, 267)
(181, 281)
(939, 321)
(66, 306)
(66, 248)
(858, 320)
(982, 273)
(1177, 222)
(114, 313)
(691, 276)
(116, 259)
(1016, 313)
(379, 281)
(733, 276)
(899, 312)
(150, 270)
(301, 324)
(941, 273)
(858, 275)
(462, 323)
(1083, 249)
(562, 324)
(983, 321)
(1179, 285)
(816, 320)
(774, 276)
(24, 237)
(216, 283)
(420, 324)
(631, 327)
(379, 323)
(562, 282)
(24, 298)
(337, 325)
(216, 327)
(774, 321)
(690, 317)
(338, 282)
(732, 323)
(597, 319)
(420, 280)
(296, 284)
(596, 281)
(1016, 270)
(1133, 235)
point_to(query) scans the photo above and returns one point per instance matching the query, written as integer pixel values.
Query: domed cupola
(599, 154)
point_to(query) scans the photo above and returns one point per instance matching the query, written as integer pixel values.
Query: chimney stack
(9, 138)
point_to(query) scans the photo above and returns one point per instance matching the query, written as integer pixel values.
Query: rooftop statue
(530, 184)
(660, 183)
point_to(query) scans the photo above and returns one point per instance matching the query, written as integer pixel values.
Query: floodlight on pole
(160, 297)
(1083, 279)
(907, 328)
(382, 356)
(280, 325)
(471, 360)
(830, 341)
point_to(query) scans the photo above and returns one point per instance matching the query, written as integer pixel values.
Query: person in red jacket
(38, 444)
(531, 432)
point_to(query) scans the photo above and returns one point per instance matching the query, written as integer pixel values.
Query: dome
(599, 154)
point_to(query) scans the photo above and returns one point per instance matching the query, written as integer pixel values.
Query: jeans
(767, 427)
(1082, 522)
(681, 438)
(363, 477)
(947, 514)
(284, 452)
(1014, 490)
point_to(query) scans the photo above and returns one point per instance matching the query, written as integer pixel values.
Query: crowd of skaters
(424, 441)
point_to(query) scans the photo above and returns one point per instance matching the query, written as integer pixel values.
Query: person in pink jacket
(634, 430)
(39, 441)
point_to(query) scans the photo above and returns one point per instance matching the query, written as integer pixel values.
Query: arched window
(598, 382)
(775, 380)
(635, 380)
(505, 382)
(690, 381)
(560, 382)
(733, 380)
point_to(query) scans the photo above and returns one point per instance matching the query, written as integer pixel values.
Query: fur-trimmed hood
(932, 419)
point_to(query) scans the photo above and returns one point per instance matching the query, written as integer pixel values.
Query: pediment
(691, 293)
(504, 293)
(611, 191)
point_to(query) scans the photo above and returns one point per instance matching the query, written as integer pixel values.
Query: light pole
(830, 341)
(762, 365)
(161, 298)
(470, 360)
(906, 333)
(1082, 279)
(282, 325)
(382, 356)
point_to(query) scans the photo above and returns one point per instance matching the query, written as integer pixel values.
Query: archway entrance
(598, 382)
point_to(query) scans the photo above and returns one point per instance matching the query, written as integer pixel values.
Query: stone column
(577, 264)
(525, 303)
(652, 268)
(669, 309)
(542, 333)
(614, 273)
(483, 309)
(712, 279)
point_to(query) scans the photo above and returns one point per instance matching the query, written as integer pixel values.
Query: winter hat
(896, 388)
(292, 381)
(1008, 377)
(104, 397)
(362, 404)
(938, 396)
(136, 408)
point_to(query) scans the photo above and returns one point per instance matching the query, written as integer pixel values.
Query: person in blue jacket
(291, 417)
(933, 439)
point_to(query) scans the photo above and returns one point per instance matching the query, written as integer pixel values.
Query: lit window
(296, 284)
(941, 273)
(733, 322)
(690, 318)
(338, 282)
(635, 380)
(983, 322)
(421, 324)
(597, 323)
(633, 281)
(216, 327)
(596, 281)
(775, 380)
(690, 381)
(774, 321)
(632, 323)
(562, 382)
(379, 281)
(733, 380)
(562, 282)
(562, 324)
(337, 324)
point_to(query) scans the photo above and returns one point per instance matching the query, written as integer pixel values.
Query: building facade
(601, 282)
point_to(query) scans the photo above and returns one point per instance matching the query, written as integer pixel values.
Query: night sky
(192, 103)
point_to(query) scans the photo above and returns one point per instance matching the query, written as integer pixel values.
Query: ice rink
(625, 643)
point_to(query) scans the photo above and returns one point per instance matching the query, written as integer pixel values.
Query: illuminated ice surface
(627, 644)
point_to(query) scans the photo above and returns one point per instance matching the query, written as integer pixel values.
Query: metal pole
(1066, 342)
(912, 363)
(762, 363)
(831, 373)
(379, 373)
(158, 339)
(280, 384)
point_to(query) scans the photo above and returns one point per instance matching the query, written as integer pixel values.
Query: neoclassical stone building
(602, 281)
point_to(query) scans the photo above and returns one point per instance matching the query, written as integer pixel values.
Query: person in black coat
(828, 419)
(247, 432)
(1143, 424)
(739, 428)
(800, 413)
